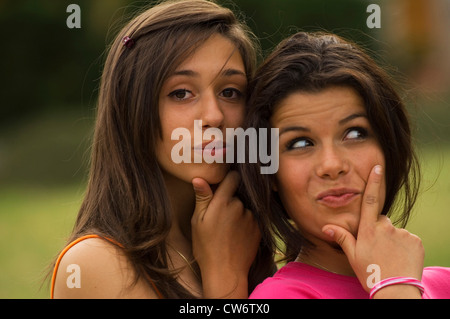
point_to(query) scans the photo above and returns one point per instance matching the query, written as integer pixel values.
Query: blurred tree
(274, 20)
(45, 65)
(50, 73)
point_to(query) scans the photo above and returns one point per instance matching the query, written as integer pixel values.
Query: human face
(210, 85)
(327, 151)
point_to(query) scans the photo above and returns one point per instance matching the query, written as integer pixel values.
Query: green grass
(431, 218)
(34, 223)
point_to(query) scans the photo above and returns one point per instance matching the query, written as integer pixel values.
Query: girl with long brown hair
(346, 166)
(149, 227)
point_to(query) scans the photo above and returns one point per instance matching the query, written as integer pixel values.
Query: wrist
(398, 292)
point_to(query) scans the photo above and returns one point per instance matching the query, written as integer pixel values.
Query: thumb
(203, 195)
(343, 238)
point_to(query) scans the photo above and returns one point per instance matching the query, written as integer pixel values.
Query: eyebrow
(225, 72)
(189, 73)
(352, 117)
(307, 130)
(231, 72)
(294, 128)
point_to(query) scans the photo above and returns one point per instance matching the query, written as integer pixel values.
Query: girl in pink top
(346, 166)
(298, 280)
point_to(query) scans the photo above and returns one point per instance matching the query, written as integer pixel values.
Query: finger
(343, 238)
(385, 219)
(257, 231)
(370, 206)
(228, 186)
(203, 196)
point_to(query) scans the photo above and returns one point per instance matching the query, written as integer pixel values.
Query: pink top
(301, 281)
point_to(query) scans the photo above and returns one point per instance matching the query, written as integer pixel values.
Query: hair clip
(128, 42)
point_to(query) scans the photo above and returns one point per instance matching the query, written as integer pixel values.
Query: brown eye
(181, 94)
(231, 93)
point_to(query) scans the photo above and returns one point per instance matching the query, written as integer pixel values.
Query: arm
(397, 252)
(225, 239)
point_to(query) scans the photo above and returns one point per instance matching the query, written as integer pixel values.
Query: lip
(338, 197)
(214, 148)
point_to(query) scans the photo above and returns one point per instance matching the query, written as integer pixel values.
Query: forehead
(216, 52)
(328, 105)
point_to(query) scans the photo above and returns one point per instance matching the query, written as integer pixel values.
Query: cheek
(291, 181)
(234, 117)
(366, 162)
(169, 123)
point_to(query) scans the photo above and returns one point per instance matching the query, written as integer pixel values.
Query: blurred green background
(49, 80)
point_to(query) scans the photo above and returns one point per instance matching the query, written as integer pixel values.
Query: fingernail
(378, 170)
(329, 232)
(196, 187)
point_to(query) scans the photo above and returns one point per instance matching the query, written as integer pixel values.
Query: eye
(355, 133)
(181, 94)
(231, 93)
(299, 143)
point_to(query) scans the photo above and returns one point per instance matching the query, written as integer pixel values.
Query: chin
(350, 222)
(213, 173)
(215, 178)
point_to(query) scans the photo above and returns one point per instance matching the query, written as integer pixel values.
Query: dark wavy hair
(311, 62)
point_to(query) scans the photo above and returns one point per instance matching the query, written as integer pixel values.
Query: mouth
(339, 197)
(212, 148)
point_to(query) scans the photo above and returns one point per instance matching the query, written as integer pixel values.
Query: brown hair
(310, 62)
(126, 197)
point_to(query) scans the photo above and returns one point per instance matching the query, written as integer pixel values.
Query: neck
(327, 257)
(179, 241)
(182, 202)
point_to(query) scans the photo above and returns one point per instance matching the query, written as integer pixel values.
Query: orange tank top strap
(76, 241)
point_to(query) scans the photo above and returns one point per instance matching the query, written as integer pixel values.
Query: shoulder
(96, 268)
(436, 281)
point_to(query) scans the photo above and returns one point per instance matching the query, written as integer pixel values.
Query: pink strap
(396, 281)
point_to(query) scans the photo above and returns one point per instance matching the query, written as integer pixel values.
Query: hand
(396, 251)
(225, 238)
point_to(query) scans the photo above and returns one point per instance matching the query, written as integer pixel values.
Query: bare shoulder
(96, 268)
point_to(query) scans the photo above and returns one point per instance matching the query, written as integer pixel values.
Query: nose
(211, 111)
(331, 163)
